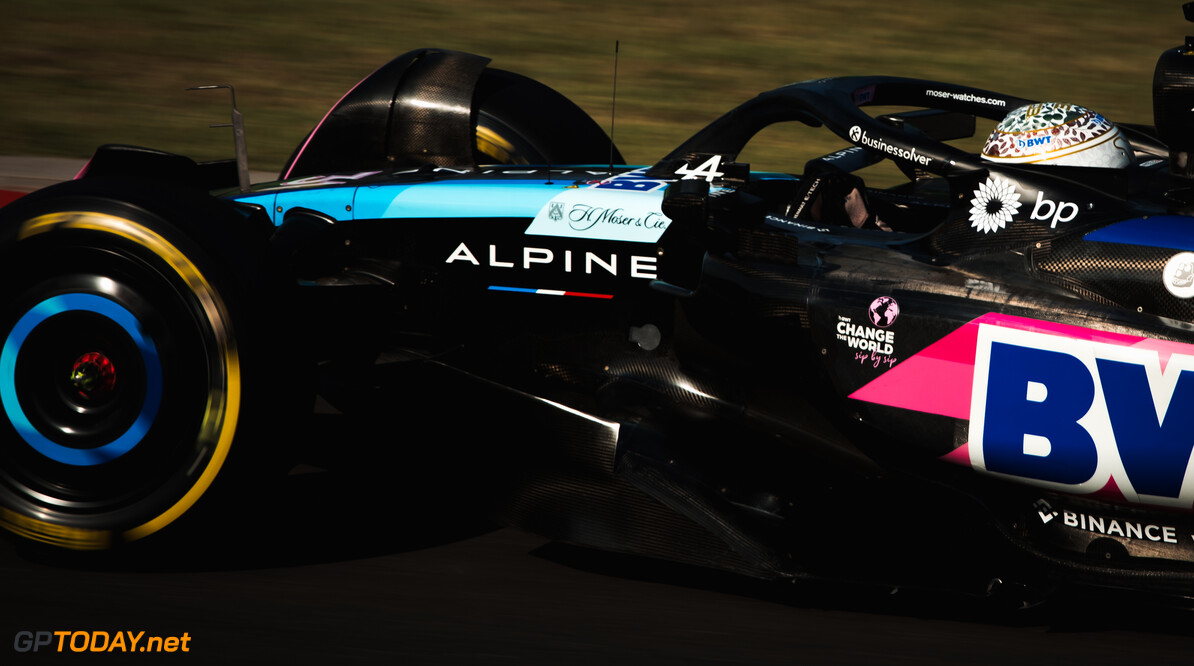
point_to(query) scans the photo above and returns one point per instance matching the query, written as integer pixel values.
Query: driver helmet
(1063, 134)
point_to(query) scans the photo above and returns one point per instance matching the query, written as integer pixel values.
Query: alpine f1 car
(986, 368)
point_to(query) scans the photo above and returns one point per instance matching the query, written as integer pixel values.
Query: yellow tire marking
(223, 404)
(490, 143)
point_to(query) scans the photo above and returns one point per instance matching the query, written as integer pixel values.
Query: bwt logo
(1072, 414)
(1034, 142)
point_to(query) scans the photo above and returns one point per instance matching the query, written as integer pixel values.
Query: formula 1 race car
(981, 372)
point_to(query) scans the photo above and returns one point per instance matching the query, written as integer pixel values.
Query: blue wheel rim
(113, 311)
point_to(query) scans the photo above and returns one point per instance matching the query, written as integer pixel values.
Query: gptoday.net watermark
(98, 641)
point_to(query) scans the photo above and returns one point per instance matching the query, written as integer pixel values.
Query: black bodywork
(727, 391)
(703, 415)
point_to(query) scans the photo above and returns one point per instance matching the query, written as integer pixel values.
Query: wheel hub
(93, 376)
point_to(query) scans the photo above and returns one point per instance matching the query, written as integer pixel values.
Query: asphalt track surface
(362, 566)
(329, 576)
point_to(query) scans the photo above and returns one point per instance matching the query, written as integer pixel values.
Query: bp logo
(994, 204)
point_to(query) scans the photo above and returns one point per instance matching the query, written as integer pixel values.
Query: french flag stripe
(549, 292)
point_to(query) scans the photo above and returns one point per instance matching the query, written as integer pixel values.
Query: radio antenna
(613, 106)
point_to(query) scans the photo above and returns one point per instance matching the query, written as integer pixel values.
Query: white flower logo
(993, 205)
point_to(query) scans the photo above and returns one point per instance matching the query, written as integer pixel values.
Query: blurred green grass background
(78, 73)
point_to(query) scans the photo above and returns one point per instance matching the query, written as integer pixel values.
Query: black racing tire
(522, 121)
(498, 143)
(136, 366)
(404, 115)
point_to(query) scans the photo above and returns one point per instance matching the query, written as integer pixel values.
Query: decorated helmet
(1065, 134)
